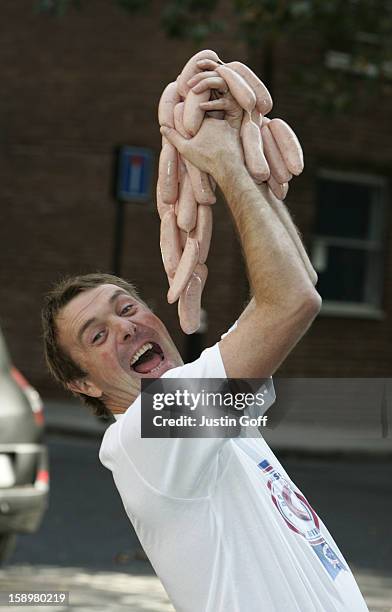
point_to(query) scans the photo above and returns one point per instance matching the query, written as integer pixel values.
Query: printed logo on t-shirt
(301, 518)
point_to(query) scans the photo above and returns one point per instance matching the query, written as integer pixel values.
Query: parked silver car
(24, 473)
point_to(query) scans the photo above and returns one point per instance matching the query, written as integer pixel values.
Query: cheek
(106, 362)
(108, 357)
(156, 324)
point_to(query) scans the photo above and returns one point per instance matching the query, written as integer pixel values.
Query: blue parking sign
(134, 174)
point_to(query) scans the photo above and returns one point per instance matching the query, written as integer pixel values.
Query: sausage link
(183, 238)
(263, 97)
(169, 98)
(288, 144)
(253, 150)
(200, 76)
(203, 231)
(202, 271)
(273, 156)
(239, 88)
(200, 184)
(188, 261)
(161, 206)
(187, 205)
(170, 243)
(278, 189)
(189, 305)
(179, 120)
(182, 170)
(168, 174)
(191, 68)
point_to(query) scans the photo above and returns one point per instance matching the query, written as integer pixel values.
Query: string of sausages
(272, 155)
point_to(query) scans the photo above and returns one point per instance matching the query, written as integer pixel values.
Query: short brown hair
(61, 365)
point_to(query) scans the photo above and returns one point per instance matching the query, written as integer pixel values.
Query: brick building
(74, 89)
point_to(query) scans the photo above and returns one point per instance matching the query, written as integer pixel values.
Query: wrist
(231, 173)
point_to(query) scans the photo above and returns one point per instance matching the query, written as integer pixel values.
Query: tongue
(149, 364)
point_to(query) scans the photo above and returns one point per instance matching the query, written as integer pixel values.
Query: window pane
(343, 209)
(344, 276)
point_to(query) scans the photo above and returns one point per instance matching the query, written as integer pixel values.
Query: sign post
(133, 184)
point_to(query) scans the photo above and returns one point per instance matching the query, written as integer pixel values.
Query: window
(366, 54)
(348, 244)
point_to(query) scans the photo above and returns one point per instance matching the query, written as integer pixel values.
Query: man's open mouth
(147, 358)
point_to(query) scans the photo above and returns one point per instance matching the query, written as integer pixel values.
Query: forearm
(284, 216)
(276, 273)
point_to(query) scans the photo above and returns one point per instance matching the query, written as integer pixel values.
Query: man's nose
(125, 329)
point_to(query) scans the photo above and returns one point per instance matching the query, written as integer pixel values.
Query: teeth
(155, 369)
(140, 352)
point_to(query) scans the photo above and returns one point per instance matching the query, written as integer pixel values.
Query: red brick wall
(75, 88)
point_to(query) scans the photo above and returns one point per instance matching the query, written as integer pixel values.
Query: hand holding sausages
(215, 148)
(212, 119)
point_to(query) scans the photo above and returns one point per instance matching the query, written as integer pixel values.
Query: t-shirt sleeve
(179, 467)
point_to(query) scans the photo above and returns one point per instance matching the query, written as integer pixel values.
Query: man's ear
(85, 386)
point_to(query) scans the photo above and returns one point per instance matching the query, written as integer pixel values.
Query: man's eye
(126, 309)
(97, 337)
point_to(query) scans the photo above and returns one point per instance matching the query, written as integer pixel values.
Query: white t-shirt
(223, 525)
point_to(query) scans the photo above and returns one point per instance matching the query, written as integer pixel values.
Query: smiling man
(106, 335)
(220, 520)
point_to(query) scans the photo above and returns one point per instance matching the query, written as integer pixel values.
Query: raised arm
(285, 301)
(284, 217)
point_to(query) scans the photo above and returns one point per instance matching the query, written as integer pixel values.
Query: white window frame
(371, 309)
(343, 61)
(339, 60)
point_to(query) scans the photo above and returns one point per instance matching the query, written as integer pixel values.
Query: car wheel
(7, 545)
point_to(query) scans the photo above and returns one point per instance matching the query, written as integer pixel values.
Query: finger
(200, 76)
(207, 64)
(216, 114)
(225, 103)
(232, 113)
(174, 137)
(218, 104)
(211, 83)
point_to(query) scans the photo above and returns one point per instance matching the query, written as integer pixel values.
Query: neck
(120, 403)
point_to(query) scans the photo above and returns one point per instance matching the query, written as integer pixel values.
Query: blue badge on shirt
(300, 517)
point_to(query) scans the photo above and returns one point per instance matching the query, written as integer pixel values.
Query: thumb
(174, 137)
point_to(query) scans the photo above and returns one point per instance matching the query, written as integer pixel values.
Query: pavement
(134, 591)
(350, 417)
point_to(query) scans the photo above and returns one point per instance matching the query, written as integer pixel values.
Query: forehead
(95, 297)
(87, 304)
